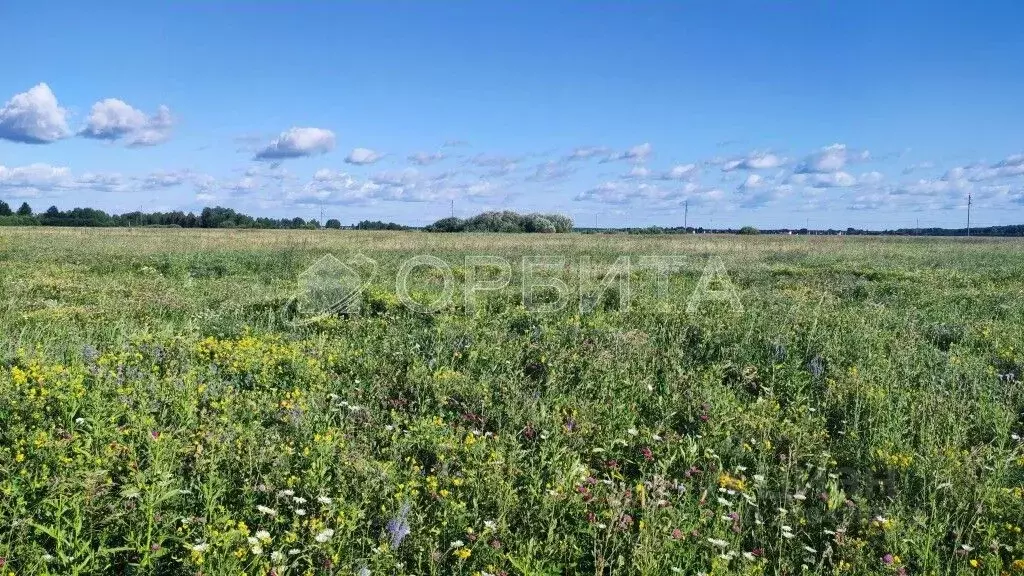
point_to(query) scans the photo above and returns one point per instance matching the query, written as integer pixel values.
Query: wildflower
(718, 542)
(463, 553)
(364, 571)
(677, 534)
(398, 526)
(458, 544)
(323, 536)
(300, 512)
(263, 536)
(648, 455)
(268, 511)
(286, 492)
(324, 500)
(299, 500)
(490, 525)
(276, 556)
(201, 547)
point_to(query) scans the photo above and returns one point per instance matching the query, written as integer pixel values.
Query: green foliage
(165, 411)
(24, 209)
(504, 221)
(333, 224)
(748, 231)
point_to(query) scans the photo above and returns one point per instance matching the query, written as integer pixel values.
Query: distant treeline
(1010, 230)
(498, 221)
(217, 217)
(504, 221)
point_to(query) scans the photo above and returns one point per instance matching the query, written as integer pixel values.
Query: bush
(504, 221)
(749, 231)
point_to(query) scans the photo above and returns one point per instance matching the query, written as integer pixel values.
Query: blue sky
(778, 114)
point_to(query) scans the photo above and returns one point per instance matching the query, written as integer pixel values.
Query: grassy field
(171, 403)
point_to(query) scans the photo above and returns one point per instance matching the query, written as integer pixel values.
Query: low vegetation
(169, 408)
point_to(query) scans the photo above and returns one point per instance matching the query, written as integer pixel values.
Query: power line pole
(686, 214)
(968, 214)
(453, 208)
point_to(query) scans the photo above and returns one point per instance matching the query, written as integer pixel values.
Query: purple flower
(887, 559)
(398, 526)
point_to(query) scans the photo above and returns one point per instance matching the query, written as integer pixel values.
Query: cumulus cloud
(1010, 167)
(638, 153)
(638, 172)
(495, 166)
(836, 179)
(753, 182)
(755, 161)
(113, 119)
(426, 158)
(33, 117)
(40, 179)
(830, 159)
(651, 194)
(587, 152)
(550, 172)
(363, 156)
(296, 143)
(681, 172)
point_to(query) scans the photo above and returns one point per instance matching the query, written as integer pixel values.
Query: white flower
(286, 492)
(47, 558)
(364, 571)
(632, 432)
(300, 512)
(324, 535)
(294, 551)
(490, 525)
(655, 437)
(299, 500)
(718, 542)
(811, 550)
(276, 556)
(263, 536)
(267, 511)
(799, 496)
(324, 500)
(201, 547)
(458, 544)
(748, 556)
(724, 502)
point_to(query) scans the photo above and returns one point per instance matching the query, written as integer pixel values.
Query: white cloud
(587, 152)
(753, 182)
(837, 179)
(33, 117)
(637, 172)
(43, 179)
(831, 159)
(363, 156)
(755, 161)
(426, 158)
(681, 172)
(551, 171)
(113, 119)
(298, 142)
(639, 153)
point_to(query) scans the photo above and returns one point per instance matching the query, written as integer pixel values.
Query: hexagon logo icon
(331, 287)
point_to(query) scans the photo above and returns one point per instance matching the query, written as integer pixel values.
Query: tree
(24, 209)
(334, 224)
(5, 209)
(53, 212)
(749, 230)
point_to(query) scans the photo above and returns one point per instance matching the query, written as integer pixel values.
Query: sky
(772, 113)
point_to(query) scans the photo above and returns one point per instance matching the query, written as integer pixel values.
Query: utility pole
(968, 214)
(453, 208)
(686, 214)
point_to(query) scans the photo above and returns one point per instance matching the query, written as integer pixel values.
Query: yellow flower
(463, 553)
(974, 563)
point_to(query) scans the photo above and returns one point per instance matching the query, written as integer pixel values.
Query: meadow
(170, 404)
